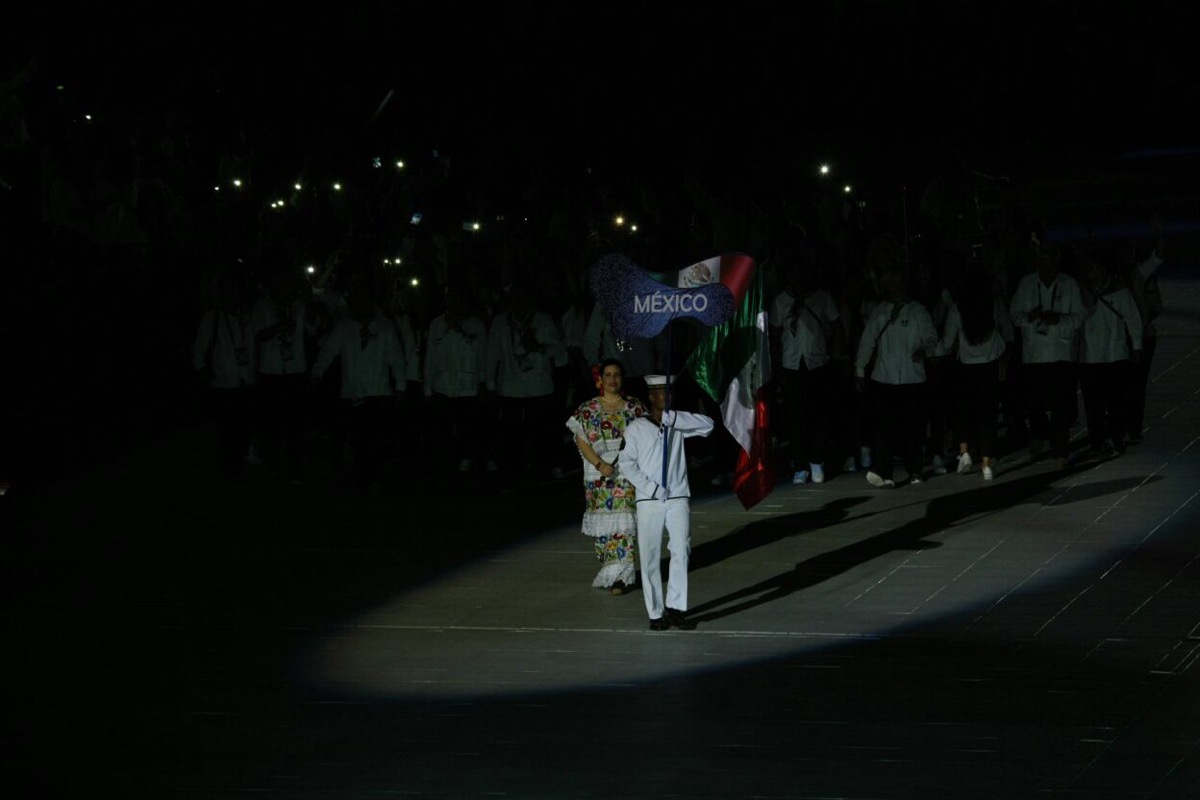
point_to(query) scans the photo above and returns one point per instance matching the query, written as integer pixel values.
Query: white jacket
(641, 460)
(805, 325)
(911, 330)
(1105, 327)
(372, 357)
(1042, 343)
(515, 371)
(234, 359)
(455, 359)
(283, 353)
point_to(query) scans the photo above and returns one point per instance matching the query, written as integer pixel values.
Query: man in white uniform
(662, 499)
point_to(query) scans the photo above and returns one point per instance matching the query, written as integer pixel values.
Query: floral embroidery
(613, 494)
(616, 548)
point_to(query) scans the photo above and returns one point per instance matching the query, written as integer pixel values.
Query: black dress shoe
(677, 619)
(659, 624)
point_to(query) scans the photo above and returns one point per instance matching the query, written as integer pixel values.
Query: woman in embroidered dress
(610, 516)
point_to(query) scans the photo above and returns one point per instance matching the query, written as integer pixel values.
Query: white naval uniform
(662, 506)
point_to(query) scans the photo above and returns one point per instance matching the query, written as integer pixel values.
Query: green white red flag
(732, 365)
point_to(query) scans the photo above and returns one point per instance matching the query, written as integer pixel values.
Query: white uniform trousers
(653, 516)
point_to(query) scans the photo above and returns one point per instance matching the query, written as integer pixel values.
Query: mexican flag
(732, 365)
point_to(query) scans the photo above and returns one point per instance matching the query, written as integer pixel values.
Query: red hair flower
(596, 376)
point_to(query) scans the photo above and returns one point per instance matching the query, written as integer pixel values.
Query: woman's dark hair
(612, 362)
(976, 305)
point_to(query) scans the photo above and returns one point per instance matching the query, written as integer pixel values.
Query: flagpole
(670, 386)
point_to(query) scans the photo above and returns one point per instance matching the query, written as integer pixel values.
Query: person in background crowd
(891, 354)
(1143, 281)
(1112, 344)
(455, 363)
(373, 372)
(225, 357)
(280, 334)
(1048, 309)
(977, 333)
(524, 346)
(804, 320)
(609, 516)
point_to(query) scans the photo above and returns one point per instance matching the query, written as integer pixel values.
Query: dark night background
(156, 616)
(530, 108)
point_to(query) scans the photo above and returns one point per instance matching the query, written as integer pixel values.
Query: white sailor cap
(656, 381)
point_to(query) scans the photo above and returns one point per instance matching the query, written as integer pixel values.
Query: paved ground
(1035, 637)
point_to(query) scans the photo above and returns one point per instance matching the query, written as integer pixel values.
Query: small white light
(376, 162)
(846, 188)
(633, 228)
(398, 260)
(297, 186)
(475, 226)
(399, 165)
(311, 270)
(620, 220)
(824, 169)
(337, 187)
(216, 188)
(387, 261)
(237, 182)
(415, 282)
(88, 117)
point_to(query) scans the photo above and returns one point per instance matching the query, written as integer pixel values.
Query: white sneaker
(914, 480)
(864, 457)
(878, 481)
(964, 462)
(988, 474)
(850, 466)
(818, 473)
(801, 476)
(939, 466)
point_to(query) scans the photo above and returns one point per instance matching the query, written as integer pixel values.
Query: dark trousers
(846, 418)
(1051, 403)
(456, 429)
(1012, 393)
(806, 396)
(368, 423)
(977, 390)
(939, 383)
(528, 432)
(1108, 390)
(1141, 383)
(900, 420)
(281, 420)
(233, 410)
